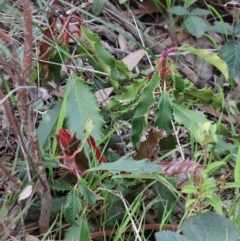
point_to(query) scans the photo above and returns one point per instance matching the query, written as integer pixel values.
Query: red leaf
(44, 45)
(98, 153)
(183, 169)
(65, 138)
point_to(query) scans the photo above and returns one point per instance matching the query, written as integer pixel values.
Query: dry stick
(15, 90)
(44, 219)
(22, 76)
(145, 227)
(131, 28)
(10, 176)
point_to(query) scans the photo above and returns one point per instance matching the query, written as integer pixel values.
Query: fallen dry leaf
(103, 95)
(183, 169)
(148, 146)
(122, 42)
(181, 35)
(133, 59)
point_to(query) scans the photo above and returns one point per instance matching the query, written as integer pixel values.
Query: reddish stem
(162, 65)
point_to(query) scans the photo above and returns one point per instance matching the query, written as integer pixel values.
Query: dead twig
(10, 176)
(156, 47)
(21, 77)
(145, 227)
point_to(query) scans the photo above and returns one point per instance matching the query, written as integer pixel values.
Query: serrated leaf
(102, 60)
(195, 26)
(73, 207)
(230, 52)
(163, 115)
(204, 96)
(97, 6)
(73, 233)
(78, 232)
(61, 186)
(208, 56)
(45, 131)
(179, 83)
(188, 117)
(131, 92)
(82, 106)
(128, 164)
(200, 11)
(87, 193)
(179, 11)
(146, 100)
(209, 227)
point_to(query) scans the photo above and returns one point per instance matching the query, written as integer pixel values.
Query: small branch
(25, 113)
(12, 122)
(28, 39)
(5, 38)
(10, 176)
(15, 90)
(154, 226)
(156, 47)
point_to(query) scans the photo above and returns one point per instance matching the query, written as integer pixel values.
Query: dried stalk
(21, 79)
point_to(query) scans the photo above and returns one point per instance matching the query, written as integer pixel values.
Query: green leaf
(78, 232)
(46, 130)
(73, 233)
(221, 27)
(84, 229)
(188, 3)
(61, 186)
(216, 202)
(195, 26)
(3, 3)
(169, 236)
(87, 193)
(230, 53)
(205, 96)
(128, 164)
(55, 61)
(188, 117)
(163, 115)
(208, 56)
(57, 203)
(97, 6)
(209, 227)
(82, 106)
(179, 83)
(73, 207)
(189, 189)
(179, 11)
(131, 92)
(236, 29)
(146, 100)
(200, 12)
(102, 60)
